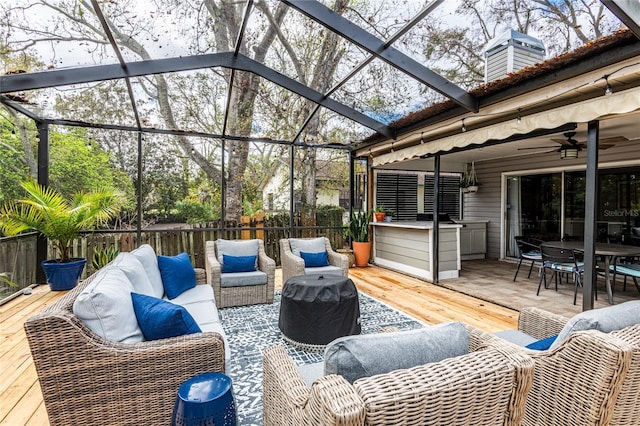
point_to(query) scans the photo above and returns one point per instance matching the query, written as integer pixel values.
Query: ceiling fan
(570, 147)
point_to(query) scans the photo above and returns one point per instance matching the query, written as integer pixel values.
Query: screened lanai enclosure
(229, 119)
(225, 118)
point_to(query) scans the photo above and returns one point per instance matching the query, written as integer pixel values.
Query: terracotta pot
(379, 216)
(362, 252)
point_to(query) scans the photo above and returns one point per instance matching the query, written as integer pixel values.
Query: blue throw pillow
(238, 263)
(177, 274)
(542, 344)
(314, 260)
(160, 319)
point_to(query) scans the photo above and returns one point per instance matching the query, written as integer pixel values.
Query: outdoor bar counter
(408, 247)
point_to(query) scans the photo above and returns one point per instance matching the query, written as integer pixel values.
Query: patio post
(223, 188)
(291, 190)
(43, 179)
(140, 174)
(436, 219)
(590, 204)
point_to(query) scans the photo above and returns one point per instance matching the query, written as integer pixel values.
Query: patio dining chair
(560, 261)
(527, 250)
(626, 268)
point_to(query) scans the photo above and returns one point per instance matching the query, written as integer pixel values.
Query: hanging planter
(469, 180)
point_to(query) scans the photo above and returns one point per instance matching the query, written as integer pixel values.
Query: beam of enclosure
(402, 31)
(358, 36)
(627, 11)
(38, 80)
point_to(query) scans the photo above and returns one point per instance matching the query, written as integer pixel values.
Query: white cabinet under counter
(473, 239)
(408, 247)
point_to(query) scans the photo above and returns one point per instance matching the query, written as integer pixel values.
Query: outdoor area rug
(251, 329)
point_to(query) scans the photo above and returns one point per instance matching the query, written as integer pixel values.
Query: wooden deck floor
(21, 398)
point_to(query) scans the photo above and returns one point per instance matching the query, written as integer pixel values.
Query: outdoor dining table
(610, 252)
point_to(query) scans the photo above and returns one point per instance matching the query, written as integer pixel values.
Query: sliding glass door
(533, 208)
(551, 207)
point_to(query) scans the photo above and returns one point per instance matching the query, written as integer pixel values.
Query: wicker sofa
(243, 288)
(88, 379)
(482, 387)
(590, 377)
(293, 264)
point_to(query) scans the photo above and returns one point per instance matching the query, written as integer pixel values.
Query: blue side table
(205, 399)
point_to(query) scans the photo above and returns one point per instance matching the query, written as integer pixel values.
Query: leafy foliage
(45, 210)
(359, 226)
(103, 256)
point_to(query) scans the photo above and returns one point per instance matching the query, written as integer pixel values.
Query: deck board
(463, 299)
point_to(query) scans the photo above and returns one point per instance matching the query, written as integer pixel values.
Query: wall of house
(486, 203)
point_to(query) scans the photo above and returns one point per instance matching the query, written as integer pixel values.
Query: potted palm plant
(60, 220)
(359, 232)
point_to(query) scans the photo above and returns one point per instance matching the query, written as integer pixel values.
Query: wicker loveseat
(589, 378)
(88, 379)
(482, 387)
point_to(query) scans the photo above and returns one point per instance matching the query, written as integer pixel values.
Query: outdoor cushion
(135, 272)
(177, 274)
(542, 344)
(308, 245)
(233, 264)
(105, 307)
(240, 279)
(323, 270)
(237, 248)
(366, 355)
(517, 337)
(201, 305)
(160, 319)
(606, 319)
(314, 260)
(149, 260)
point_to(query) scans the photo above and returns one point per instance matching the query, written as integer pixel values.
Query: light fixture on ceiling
(464, 128)
(607, 89)
(569, 152)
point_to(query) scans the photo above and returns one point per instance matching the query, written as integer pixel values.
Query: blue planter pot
(63, 276)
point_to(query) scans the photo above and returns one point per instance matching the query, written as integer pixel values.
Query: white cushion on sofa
(147, 256)
(307, 245)
(135, 272)
(200, 303)
(105, 306)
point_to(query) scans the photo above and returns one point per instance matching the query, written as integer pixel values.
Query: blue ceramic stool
(205, 399)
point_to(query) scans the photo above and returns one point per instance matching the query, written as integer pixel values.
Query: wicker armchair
(86, 379)
(592, 378)
(484, 387)
(239, 295)
(293, 265)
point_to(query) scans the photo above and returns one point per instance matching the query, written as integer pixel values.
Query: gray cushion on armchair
(366, 355)
(239, 279)
(312, 245)
(607, 319)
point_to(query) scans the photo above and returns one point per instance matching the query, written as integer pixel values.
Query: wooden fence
(18, 255)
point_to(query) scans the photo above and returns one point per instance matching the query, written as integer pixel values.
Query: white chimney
(511, 52)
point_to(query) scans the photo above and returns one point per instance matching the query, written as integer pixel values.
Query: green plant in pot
(60, 220)
(379, 212)
(359, 232)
